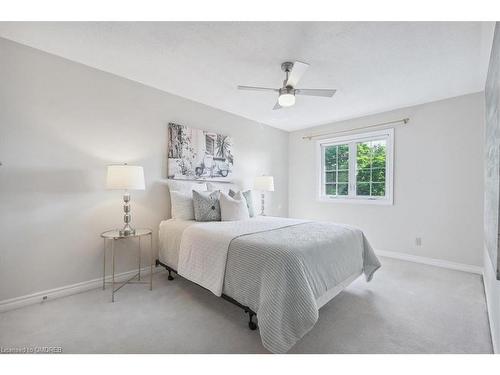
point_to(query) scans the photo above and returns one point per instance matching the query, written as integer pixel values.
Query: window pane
(363, 157)
(363, 175)
(378, 175)
(343, 176)
(363, 188)
(343, 156)
(370, 165)
(379, 154)
(343, 189)
(330, 177)
(378, 190)
(331, 157)
(331, 189)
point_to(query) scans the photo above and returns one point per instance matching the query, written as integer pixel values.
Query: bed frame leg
(251, 324)
(170, 270)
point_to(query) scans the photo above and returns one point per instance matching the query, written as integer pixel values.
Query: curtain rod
(403, 121)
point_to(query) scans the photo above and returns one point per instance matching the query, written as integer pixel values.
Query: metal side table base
(114, 235)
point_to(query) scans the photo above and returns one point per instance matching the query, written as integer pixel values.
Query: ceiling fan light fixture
(286, 94)
(286, 100)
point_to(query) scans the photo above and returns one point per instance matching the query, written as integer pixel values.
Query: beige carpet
(407, 308)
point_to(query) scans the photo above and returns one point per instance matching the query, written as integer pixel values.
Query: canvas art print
(195, 154)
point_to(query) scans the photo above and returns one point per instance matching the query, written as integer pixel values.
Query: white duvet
(204, 247)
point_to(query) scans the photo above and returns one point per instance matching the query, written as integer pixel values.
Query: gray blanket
(280, 273)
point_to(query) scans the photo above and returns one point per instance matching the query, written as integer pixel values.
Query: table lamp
(125, 177)
(263, 183)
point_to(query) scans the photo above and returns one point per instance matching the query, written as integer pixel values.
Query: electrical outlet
(418, 241)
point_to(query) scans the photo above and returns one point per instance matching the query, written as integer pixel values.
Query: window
(357, 168)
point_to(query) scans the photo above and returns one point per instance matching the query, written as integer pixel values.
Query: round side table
(114, 235)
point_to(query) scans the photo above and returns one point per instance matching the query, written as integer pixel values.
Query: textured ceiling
(376, 66)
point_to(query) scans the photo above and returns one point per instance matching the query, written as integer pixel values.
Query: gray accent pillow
(248, 197)
(206, 206)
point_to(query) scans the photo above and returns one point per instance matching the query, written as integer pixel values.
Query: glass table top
(115, 233)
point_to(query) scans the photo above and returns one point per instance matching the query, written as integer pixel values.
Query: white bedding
(170, 235)
(169, 238)
(283, 269)
(204, 247)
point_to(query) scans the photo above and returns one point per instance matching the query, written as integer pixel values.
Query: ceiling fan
(286, 98)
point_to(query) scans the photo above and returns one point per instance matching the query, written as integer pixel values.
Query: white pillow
(233, 209)
(248, 197)
(182, 205)
(222, 186)
(185, 186)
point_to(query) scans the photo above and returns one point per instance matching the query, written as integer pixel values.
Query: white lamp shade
(264, 183)
(125, 177)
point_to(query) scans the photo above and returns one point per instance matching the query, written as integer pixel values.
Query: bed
(281, 270)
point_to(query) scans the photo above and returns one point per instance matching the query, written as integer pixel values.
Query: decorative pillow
(206, 206)
(233, 209)
(249, 199)
(182, 205)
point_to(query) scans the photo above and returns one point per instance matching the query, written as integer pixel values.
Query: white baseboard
(47, 295)
(492, 299)
(431, 261)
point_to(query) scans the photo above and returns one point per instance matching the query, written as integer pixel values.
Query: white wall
(438, 182)
(61, 123)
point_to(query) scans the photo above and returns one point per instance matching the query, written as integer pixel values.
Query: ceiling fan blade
(298, 69)
(316, 92)
(277, 106)
(255, 88)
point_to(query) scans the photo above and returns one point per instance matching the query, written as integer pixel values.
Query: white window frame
(388, 135)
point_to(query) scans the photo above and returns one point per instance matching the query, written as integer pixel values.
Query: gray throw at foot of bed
(280, 274)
